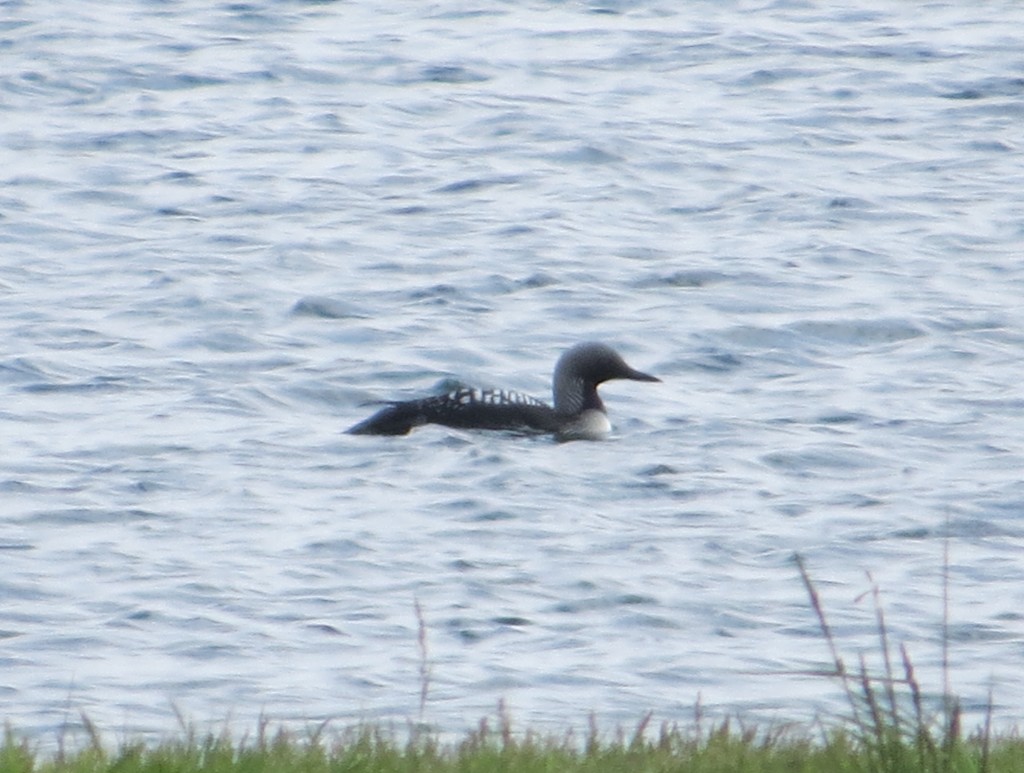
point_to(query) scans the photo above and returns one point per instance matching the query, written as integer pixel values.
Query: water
(227, 228)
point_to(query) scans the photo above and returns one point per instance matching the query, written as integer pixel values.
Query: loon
(578, 413)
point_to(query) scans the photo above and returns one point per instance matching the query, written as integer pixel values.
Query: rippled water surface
(229, 228)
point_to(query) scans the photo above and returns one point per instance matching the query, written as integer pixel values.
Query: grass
(725, 749)
(888, 729)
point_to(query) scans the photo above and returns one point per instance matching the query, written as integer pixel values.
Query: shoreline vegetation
(890, 726)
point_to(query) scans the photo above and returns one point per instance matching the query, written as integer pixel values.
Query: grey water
(228, 229)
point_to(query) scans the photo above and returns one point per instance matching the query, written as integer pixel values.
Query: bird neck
(575, 395)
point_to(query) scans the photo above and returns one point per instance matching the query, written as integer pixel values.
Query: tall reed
(888, 718)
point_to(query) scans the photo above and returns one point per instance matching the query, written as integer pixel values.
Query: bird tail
(394, 419)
